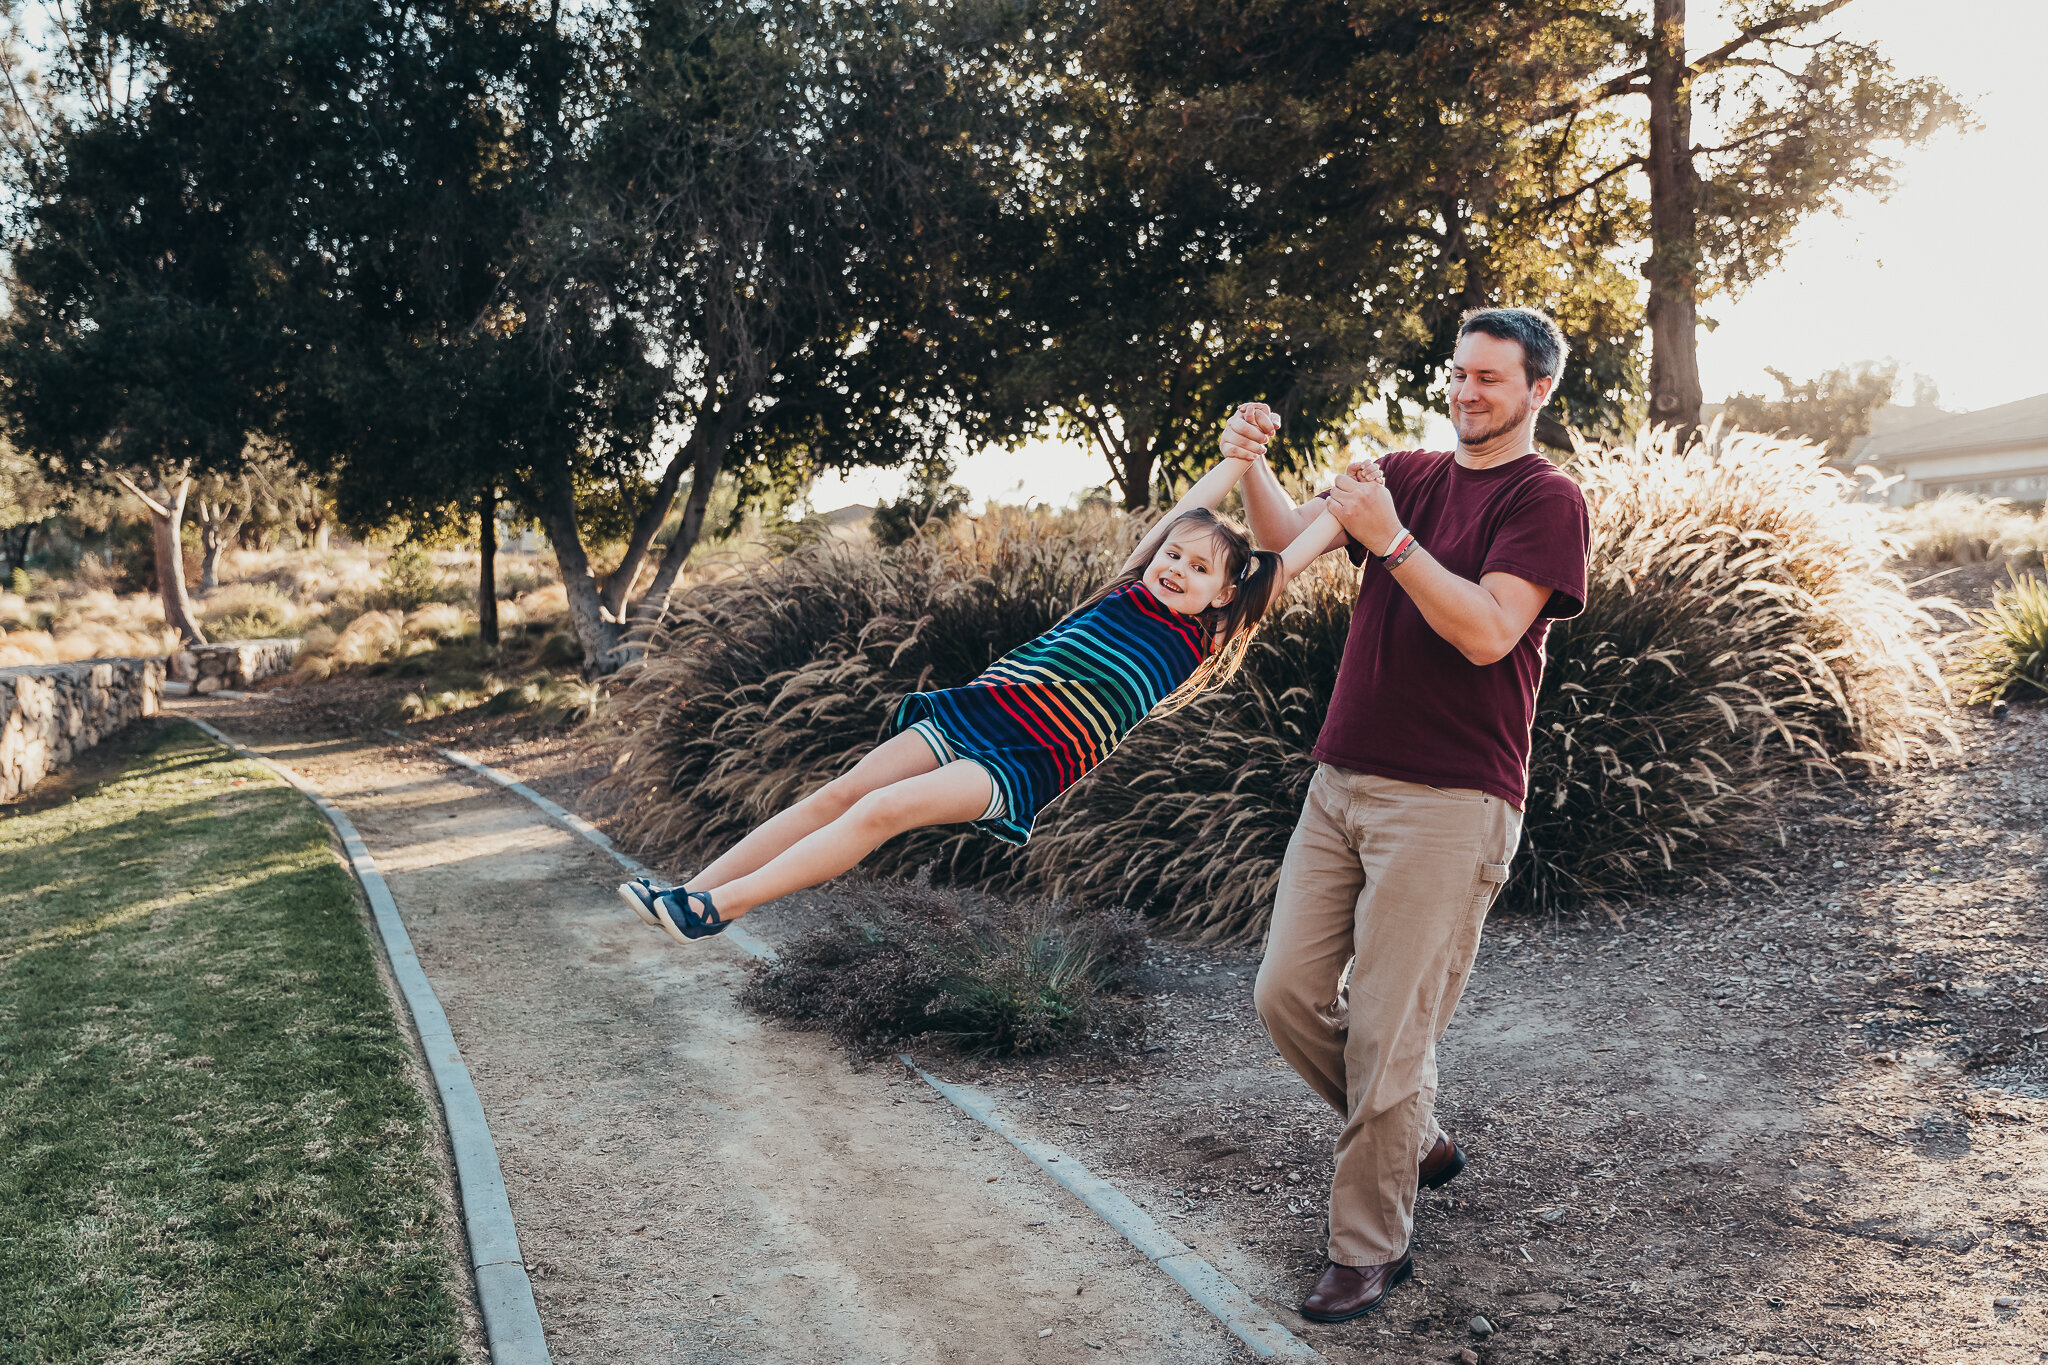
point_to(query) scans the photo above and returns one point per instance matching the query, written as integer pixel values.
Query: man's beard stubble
(1508, 424)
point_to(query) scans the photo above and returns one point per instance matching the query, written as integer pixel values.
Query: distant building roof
(2009, 424)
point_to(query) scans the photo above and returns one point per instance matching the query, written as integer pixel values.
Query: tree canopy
(592, 259)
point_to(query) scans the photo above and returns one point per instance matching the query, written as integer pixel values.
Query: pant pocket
(1486, 885)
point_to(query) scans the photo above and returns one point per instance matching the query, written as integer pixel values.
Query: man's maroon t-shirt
(1408, 705)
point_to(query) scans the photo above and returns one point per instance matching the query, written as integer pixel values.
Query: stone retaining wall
(50, 713)
(212, 667)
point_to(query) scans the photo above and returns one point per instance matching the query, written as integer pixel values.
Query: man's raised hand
(1365, 509)
(1249, 430)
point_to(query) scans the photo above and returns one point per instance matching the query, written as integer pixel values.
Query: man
(1416, 807)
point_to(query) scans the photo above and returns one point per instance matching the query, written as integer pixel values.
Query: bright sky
(1948, 277)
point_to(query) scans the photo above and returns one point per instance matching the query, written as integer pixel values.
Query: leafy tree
(28, 498)
(931, 496)
(1831, 411)
(158, 163)
(1295, 202)
(778, 197)
(1799, 119)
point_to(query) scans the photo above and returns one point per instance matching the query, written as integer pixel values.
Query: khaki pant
(1400, 877)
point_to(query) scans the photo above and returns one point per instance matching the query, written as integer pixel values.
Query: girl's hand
(1367, 471)
(1250, 428)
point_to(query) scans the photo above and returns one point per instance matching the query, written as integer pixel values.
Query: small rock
(1045, 1333)
(1481, 1327)
(1468, 1356)
(1699, 1075)
(1294, 1177)
(1092, 1345)
(1552, 1215)
(2005, 1301)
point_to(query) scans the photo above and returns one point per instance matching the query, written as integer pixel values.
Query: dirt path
(687, 1181)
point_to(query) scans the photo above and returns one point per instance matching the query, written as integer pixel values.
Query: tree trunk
(487, 569)
(648, 523)
(598, 634)
(166, 518)
(14, 547)
(1133, 475)
(1673, 269)
(216, 523)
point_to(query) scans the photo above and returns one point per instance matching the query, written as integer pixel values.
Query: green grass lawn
(209, 1146)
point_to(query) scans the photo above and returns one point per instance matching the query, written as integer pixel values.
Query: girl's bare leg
(951, 795)
(893, 760)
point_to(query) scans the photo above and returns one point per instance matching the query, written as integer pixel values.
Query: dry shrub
(541, 609)
(1957, 528)
(981, 975)
(248, 611)
(439, 621)
(20, 647)
(373, 636)
(1742, 640)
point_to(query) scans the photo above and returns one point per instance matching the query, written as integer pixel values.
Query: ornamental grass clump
(981, 975)
(2009, 656)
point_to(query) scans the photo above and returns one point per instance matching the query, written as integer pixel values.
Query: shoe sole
(1400, 1278)
(1457, 1166)
(640, 909)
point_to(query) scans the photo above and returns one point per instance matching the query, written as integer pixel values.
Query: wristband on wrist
(1398, 553)
(1401, 539)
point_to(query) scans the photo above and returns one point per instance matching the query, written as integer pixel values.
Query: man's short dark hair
(1543, 346)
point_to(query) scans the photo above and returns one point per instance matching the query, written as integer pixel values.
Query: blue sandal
(682, 921)
(641, 895)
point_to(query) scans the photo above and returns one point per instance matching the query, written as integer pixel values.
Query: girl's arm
(1321, 535)
(1209, 490)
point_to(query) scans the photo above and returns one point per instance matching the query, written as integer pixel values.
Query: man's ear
(1542, 388)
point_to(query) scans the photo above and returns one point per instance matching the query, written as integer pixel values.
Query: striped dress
(1047, 712)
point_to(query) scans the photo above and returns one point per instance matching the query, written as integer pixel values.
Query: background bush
(1742, 641)
(1956, 528)
(2010, 652)
(987, 976)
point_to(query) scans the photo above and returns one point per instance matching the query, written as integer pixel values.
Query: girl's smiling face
(1189, 572)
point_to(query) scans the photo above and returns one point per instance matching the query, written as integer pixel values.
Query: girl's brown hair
(1229, 626)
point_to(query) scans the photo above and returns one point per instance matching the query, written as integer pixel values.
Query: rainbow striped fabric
(1047, 712)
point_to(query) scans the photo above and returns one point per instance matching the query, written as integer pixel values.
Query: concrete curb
(1204, 1283)
(504, 1294)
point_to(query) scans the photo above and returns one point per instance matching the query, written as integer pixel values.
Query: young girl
(1176, 620)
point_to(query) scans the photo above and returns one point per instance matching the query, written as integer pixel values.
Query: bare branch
(156, 508)
(1812, 14)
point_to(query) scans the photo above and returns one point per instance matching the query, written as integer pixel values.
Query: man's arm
(1484, 621)
(1275, 518)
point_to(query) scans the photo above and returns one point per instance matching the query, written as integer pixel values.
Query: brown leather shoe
(1441, 1165)
(1351, 1291)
